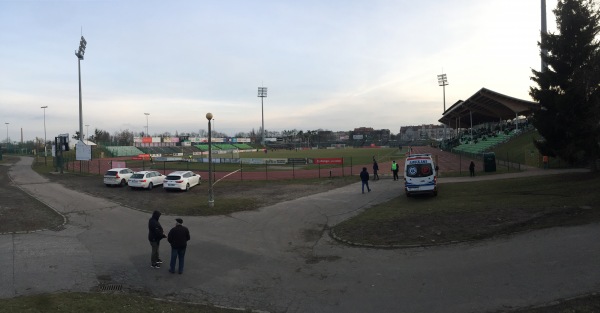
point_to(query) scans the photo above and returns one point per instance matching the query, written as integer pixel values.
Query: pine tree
(569, 90)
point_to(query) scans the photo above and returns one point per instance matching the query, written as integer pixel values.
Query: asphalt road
(280, 259)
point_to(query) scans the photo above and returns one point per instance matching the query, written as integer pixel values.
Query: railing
(222, 169)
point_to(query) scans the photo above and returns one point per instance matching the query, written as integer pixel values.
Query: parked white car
(117, 176)
(182, 180)
(146, 179)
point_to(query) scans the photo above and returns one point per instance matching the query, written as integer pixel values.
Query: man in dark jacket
(155, 234)
(375, 169)
(178, 238)
(364, 177)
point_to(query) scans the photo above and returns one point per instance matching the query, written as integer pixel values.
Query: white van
(420, 175)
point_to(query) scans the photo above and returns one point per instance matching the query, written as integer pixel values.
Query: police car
(420, 175)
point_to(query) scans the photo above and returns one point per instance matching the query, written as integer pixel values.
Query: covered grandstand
(486, 106)
(485, 119)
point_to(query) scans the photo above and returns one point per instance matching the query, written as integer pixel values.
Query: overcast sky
(334, 65)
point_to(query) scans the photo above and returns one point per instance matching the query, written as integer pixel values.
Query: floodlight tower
(262, 93)
(147, 124)
(6, 136)
(544, 32)
(79, 54)
(443, 81)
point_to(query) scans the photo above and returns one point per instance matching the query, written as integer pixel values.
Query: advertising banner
(326, 161)
(263, 161)
(141, 157)
(300, 161)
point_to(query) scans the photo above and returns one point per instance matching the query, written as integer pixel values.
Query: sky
(332, 65)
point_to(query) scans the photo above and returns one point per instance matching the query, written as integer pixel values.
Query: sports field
(273, 164)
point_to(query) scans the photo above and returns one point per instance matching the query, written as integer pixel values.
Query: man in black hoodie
(155, 234)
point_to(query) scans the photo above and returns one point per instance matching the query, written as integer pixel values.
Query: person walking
(364, 178)
(155, 235)
(178, 238)
(472, 169)
(395, 170)
(375, 169)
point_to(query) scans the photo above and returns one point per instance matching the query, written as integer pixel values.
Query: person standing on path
(375, 169)
(472, 169)
(364, 177)
(395, 170)
(155, 235)
(178, 238)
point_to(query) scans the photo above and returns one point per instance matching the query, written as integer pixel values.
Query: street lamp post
(79, 54)
(211, 198)
(262, 93)
(147, 124)
(443, 81)
(6, 136)
(45, 153)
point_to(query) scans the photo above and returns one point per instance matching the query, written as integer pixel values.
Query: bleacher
(119, 151)
(243, 146)
(202, 147)
(482, 143)
(224, 146)
(168, 150)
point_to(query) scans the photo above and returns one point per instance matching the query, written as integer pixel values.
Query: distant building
(425, 132)
(368, 135)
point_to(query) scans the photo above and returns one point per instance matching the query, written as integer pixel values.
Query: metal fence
(221, 169)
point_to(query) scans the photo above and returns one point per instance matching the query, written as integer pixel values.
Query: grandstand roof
(486, 106)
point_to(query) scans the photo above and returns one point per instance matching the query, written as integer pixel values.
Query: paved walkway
(279, 259)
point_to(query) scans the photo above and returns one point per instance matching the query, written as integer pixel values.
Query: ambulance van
(420, 175)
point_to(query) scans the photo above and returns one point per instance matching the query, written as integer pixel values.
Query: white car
(146, 179)
(117, 176)
(182, 180)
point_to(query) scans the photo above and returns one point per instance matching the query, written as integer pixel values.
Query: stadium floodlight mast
(79, 54)
(443, 81)
(211, 196)
(262, 93)
(544, 31)
(147, 123)
(45, 153)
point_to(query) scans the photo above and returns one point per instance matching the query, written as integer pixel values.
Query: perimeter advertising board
(326, 161)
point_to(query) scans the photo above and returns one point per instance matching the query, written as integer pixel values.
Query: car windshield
(111, 173)
(137, 176)
(419, 170)
(173, 177)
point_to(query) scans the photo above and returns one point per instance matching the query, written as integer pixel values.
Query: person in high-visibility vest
(395, 170)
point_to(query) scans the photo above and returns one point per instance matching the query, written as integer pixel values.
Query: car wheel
(150, 186)
(123, 182)
(107, 185)
(187, 186)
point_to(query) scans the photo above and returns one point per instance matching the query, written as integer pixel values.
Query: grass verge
(19, 211)
(478, 210)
